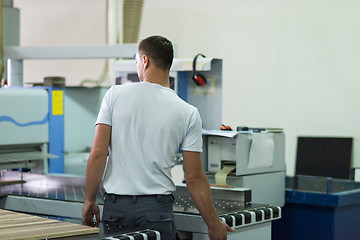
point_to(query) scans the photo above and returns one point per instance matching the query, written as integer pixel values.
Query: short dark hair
(159, 49)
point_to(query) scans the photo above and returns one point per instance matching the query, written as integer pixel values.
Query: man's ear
(146, 61)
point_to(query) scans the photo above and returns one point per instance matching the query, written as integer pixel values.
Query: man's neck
(158, 77)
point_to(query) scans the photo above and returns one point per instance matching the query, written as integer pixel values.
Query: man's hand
(219, 231)
(89, 210)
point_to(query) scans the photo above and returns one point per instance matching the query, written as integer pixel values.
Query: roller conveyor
(250, 216)
(139, 235)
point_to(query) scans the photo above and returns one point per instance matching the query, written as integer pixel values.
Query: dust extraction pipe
(131, 20)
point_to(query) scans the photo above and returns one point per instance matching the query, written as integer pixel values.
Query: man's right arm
(94, 171)
(199, 189)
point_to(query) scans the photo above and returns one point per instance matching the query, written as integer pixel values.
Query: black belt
(159, 197)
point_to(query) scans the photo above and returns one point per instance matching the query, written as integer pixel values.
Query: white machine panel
(250, 153)
(23, 116)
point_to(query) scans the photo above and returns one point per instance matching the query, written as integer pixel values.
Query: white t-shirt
(149, 123)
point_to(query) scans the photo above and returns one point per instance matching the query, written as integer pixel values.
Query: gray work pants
(153, 212)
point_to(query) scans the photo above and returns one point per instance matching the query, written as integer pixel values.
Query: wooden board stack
(14, 225)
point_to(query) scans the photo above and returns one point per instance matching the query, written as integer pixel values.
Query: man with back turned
(142, 126)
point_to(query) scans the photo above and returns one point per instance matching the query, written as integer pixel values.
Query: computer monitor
(324, 156)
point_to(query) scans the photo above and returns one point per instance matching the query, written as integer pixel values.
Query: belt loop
(172, 197)
(134, 199)
(113, 198)
(104, 197)
(158, 197)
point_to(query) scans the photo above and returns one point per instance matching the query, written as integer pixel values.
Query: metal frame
(16, 55)
(71, 52)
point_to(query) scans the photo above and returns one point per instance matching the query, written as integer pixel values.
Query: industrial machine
(250, 196)
(249, 159)
(32, 119)
(64, 196)
(32, 129)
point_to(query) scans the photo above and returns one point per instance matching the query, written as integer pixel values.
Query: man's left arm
(94, 171)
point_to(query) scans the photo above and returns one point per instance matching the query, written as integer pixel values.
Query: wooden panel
(8, 182)
(15, 225)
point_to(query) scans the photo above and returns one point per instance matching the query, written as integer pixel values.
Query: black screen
(324, 156)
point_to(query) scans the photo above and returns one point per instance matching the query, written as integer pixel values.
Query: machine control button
(275, 211)
(258, 214)
(238, 219)
(228, 220)
(247, 217)
(136, 236)
(267, 213)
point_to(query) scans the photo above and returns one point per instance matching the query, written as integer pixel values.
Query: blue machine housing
(319, 208)
(56, 129)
